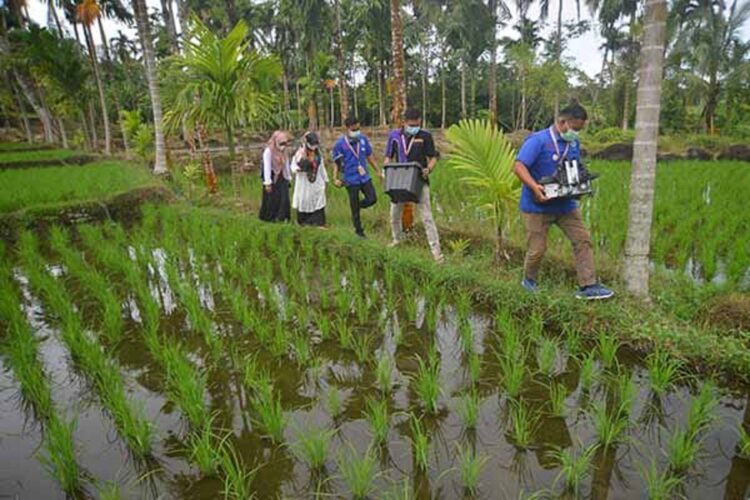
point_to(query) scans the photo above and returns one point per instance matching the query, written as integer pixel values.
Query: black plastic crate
(403, 181)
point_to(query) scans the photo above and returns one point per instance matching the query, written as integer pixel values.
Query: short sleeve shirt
(354, 154)
(538, 154)
(418, 148)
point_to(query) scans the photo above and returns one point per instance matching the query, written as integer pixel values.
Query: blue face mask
(412, 130)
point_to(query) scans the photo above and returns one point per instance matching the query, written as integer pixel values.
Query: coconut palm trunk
(397, 48)
(637, 246)
(42, 112)
(100, 88)
(160, 161)
(343, 90)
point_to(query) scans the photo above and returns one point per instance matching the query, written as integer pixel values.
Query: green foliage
(484, 159)
(575, 465)
(470, 464)
(359, 472)
(426, 383)
(420, 443)
(312, 447)
(377, 416)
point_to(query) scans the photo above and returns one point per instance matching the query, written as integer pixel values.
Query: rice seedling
(463, 307)
(376, 413)
(470, 464)
(660, 485)
(547, 356)
(701, 412)
(384, 373)
(302, 350)
(312, 447)
(427, 381)
(58, 456)
(238, 482)
(432, 314)
(474, 368)
(359, 473)
(324, 324)
(420, 443)
(610, 426)
(468, 409)
(186, 386)
(206, 448)
(573, 340)
(682, 450)
(466, 335)
(334, 402)
(109, 490)
(743, 445)
(412, 306)
(279, 344)
(574, 467)
(270, 416)
(513, 372)
(626, 394)
(663, 371)
(607, 346)
(557, 396)
(362, 347)
(523, 425)
(588, 374)
(344, 333)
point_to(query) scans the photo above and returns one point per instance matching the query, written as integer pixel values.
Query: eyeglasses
(283, 143)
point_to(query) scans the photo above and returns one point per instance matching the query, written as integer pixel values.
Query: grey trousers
(425, 211)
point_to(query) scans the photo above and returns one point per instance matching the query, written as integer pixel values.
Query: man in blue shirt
(351, 154)
(539, 157)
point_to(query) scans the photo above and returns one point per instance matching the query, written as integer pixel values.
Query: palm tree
(641, 205)
(480, 152)
(397, 48)
(144, 31)
(221, 84)
(709, 34)
(87, 13)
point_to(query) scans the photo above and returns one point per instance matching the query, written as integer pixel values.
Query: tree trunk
(424, 85)
(299, 106)
(75, 31)
(443, 111)
(86, 133)
(637, 246)
(333, 108)
(92, 123)
(63, 133)
(53, 10)
(493, 64)
(167, 17)
(397, 48)
(103, 36)
(160, 161)
(344, 92)
(100, 87)
(286, 98)
(231, 7)
(523, 102)
(626, 104)
(207, 160)
(381, 95)
(558, 52)
(21, 110)
(473, 100)
(41, 111)
(356, 103)
(464, 114)
(183, 12)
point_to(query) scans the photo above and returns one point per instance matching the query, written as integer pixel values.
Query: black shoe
(361, 235)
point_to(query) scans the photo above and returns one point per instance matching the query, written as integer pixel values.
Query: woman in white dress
(310, 178)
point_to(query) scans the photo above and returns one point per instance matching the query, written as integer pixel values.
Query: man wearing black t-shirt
(411, 143)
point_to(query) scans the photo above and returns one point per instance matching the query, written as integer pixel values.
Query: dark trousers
(357, 204)
(276, 206)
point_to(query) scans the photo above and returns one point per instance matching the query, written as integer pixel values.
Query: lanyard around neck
(354, 152)
(407, 150)
(557, 156)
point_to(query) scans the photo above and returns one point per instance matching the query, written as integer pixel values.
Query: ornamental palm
(480, 152)
(221, 82)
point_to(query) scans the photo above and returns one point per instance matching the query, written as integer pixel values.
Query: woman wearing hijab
(310, 180)
(276, 175)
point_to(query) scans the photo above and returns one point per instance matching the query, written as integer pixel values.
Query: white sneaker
(394, 243)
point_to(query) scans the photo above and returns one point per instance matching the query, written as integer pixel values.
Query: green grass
(52, 186)
(7, 157)
(359, 472)
(743, 445)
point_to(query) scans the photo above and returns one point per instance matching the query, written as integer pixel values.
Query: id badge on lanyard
(558, 157)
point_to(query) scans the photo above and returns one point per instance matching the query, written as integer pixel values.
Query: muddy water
(508, 472)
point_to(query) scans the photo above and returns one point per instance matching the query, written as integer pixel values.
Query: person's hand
(338, 183)
(539, 195)
(425, 173)
(268, 188)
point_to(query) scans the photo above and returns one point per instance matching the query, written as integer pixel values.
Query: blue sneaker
(530, 285)
(594, 292)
